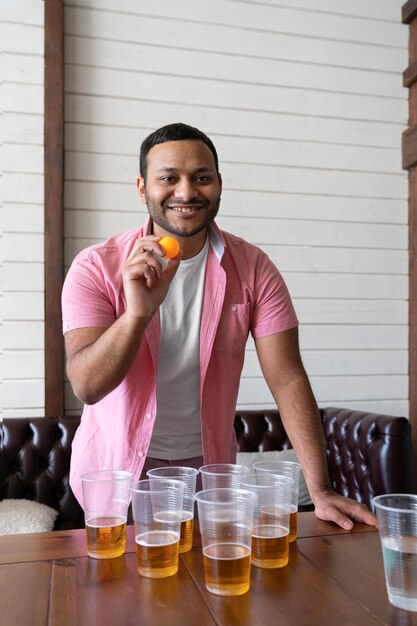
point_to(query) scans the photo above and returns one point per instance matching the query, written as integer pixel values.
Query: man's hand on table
(332, 507)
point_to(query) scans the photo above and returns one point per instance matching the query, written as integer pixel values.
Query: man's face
(183, 188)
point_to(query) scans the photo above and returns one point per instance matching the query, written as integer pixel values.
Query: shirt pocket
(233, 329)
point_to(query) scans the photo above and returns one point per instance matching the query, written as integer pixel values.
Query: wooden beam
(412, 328)
(409, 147)
(409, 152)
(409, 11)
(410, 75)
(54, 222)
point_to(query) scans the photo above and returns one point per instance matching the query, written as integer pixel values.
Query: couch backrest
(34, 464)
(367, 454)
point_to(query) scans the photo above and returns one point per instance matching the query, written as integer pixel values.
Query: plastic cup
(292, 470)
(106, 500)
(271, 521)
(157, 506)
(188, 475)
(222, 475)
(226, 519)
(397, 522)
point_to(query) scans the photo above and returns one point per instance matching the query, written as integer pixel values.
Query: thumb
(172, 267)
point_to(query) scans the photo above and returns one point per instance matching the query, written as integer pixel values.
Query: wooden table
(334, 578)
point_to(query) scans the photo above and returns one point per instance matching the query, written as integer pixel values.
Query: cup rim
(286, 480)
(187, 470)
(204, 469)
(200, 498)
(294, 464)
(173, 481)
(409, 496)
(108, 476)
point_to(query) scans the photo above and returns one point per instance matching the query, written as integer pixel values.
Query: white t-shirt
(177, 429)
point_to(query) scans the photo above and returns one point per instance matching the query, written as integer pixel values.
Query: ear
(140, 186)
(219, 176)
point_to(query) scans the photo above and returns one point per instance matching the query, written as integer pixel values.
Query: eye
(167, 179)
(203, 179)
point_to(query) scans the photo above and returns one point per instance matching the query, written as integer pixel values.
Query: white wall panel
(25, 363)
(272, 72)
(122, 142)
(248, 97)
(331, 363)
(22, 223)
(247, 17)
(304, 101)
(117, 112)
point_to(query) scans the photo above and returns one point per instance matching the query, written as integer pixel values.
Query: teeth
(183, 210)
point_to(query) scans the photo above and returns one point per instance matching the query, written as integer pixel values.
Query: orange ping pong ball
(170, 246)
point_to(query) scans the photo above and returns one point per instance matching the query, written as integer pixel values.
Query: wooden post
(409, 16)
(54, 222)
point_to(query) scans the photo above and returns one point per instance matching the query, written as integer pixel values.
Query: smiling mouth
(183, 209)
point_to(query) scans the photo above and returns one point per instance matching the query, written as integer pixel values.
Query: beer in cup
(292, 470)
(271, 522)
(188, 475)
(106, 499)
(157, 506)
(226, 518)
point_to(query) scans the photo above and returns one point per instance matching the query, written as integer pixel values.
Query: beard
(159, 212)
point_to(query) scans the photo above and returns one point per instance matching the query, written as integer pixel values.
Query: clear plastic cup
(222, 475)
(292, 470)
(157, 506)
(226, 519)
(271, 522)
(397, 524)
(188, 475)
(106, 499)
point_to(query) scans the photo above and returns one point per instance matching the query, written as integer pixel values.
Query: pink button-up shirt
(243, 292)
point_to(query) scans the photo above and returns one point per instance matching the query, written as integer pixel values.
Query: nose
(186, 190)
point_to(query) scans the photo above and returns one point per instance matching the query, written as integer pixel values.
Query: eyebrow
(197, 170)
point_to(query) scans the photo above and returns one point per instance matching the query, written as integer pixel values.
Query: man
(155, 349)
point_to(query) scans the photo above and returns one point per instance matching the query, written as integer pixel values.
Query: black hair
(173, 132)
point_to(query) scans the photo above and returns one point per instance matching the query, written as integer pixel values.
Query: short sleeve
(273, 311)
(86, 300)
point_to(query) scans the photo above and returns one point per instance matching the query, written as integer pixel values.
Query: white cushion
(25, 516)
(249, 458)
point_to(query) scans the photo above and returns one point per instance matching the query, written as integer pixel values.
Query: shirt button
(140, 453)
(148, 416)
(234, 308)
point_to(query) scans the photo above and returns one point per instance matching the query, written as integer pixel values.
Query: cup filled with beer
(226, 519)
(188, 475)
(222, 475)
(271, 520)
(106, 499)
(157, 506)
(292, 470)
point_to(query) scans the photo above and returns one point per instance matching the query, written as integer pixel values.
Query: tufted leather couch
(367, 454)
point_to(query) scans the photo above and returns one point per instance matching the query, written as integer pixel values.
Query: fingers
(342, 511)
(142, 260)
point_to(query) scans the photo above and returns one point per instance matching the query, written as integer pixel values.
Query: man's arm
(98, 359)
(284, 373)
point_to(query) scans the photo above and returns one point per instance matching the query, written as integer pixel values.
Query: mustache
(191, 203)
